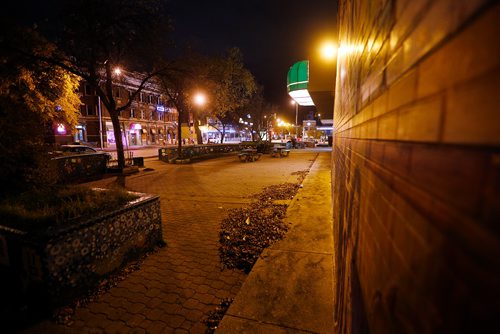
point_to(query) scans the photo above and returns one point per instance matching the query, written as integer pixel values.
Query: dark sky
(272, 34)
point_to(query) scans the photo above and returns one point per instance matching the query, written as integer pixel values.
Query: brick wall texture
(416, 166)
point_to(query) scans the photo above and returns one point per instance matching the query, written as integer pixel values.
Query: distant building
(148, 121)
(319, 131)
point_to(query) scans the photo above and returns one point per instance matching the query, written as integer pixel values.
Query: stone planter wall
(56, 266)
(80, 167)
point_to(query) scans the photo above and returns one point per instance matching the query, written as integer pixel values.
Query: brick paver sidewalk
(177, 286)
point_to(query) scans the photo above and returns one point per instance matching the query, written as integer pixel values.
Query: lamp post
(296, 117)
(116, 71)
(100, 120)
(199, 99)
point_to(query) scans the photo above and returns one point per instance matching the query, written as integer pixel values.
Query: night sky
(272, 34)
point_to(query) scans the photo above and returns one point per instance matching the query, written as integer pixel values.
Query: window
(132, 113)
(142, 114)
(88, 89)
(90, 110)
(141, 98)
(117, 92)
(150, 99)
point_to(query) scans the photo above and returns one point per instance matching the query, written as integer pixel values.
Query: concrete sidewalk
(290, 288)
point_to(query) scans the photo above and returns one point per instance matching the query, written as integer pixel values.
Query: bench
(284, 153)
(249, 156)
(280, 151)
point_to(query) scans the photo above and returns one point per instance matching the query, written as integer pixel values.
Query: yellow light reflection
(349, 49)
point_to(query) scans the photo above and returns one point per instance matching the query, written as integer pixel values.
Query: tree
(257, 114)
(179, 83)
(232, 86)
(33, 95)
(95, 37)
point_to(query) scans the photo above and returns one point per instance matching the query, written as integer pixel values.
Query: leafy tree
(33, 95)
(180, 82)
(257, 113)
(231, 85)
(95, 37)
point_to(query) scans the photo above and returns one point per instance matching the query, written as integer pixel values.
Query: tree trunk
(197, 130)
(118, 138)
(179, 135)
(223, 134)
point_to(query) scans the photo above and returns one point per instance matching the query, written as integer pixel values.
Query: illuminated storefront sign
(297, 83)
(61, 129)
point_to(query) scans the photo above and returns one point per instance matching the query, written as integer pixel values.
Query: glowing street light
(117, 71)
(200, 99)
(328, 50)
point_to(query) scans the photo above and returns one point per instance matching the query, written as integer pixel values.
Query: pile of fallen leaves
(278, 192)
(301, 175)
(215, 317)
(246, 232)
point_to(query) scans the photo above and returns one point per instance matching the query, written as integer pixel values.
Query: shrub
(57, 206)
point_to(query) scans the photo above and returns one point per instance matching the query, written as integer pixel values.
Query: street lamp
(200, 99)
(117, 71)
(328, 50)
(296, 117)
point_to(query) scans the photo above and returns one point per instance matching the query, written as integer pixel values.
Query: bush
(56, 206)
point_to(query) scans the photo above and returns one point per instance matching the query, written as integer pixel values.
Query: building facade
(148, 121)
(416, 167)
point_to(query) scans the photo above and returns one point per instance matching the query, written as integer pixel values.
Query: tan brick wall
(417, 166)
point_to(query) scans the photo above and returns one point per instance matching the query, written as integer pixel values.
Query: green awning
(298, 76)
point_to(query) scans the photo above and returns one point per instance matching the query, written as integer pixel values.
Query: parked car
(75, 149)
(77, 162)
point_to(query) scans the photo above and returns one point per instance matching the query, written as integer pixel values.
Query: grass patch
(59, 206)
